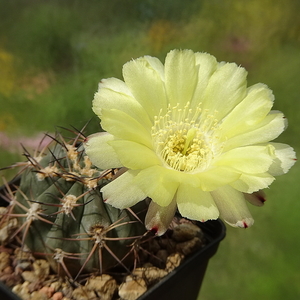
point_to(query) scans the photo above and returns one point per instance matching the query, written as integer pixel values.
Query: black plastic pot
(182, 283)
(6, 293)
(185, 281)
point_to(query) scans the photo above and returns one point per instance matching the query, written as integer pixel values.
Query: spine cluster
(60, 214)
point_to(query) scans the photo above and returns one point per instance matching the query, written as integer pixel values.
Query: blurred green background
(54, 53)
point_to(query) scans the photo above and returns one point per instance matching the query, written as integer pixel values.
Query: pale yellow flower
(192, 135)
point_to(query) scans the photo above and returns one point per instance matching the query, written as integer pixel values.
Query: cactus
(62, 215)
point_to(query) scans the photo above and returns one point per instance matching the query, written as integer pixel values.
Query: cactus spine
(62, 214)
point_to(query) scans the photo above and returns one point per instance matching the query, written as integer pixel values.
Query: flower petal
(252, 110)
(232, 206)
(125, 127)
(159, 218)
(181, 75)
(143, 76)
(100, 152)
(285, 158)
(122, 192)
(207, 65)
(114, 94)
(138, 157)
(216, 177)
(270, 128)
(195, 204)
(157, 184)
(256, 198)
(116, 85)
(156, 65)
(225, 89)
(249, 183)
(248, 159)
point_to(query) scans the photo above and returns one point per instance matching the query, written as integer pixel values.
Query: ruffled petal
(225, 89)
(269, 129)
(157, 184)
(116, 85)
(159, 218)
(195, 204)
(252, 110)
(216, 177)
(122, 192)
(249, 183)
(143, 76)
(207, 65)
(248, 159)
(125, 127)
(133, 155)
(114, 94)
(232, 206)
(100, 152)
(181, 76)
(156, 65)
(284, 159)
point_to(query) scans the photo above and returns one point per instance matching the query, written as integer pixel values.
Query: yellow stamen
(185, 139)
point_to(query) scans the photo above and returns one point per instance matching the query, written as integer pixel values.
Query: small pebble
(47, 290)
(153, 275)
(4, 260)
(7, 228)
(104, 286)
(22, 290)
(8, 270)
(29, 276)
(186, 231)
(37, 295)
(132, 288)
(189, 246)
(150, 274)
(173, 261)
(41, 268)
(56, 285)
(57, 296)
(81, 293)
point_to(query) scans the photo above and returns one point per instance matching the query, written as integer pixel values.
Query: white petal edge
(159, 218)
(285, 158)
(232, 206)
(249, 183)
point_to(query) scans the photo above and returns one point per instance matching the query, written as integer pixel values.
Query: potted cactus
(188, 138)
(55, 211)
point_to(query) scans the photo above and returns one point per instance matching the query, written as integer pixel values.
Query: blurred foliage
(54, 53)
(7, 73)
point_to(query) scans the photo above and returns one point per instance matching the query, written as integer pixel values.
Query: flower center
(185, 139)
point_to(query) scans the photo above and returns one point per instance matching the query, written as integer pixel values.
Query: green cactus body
(61, 198)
